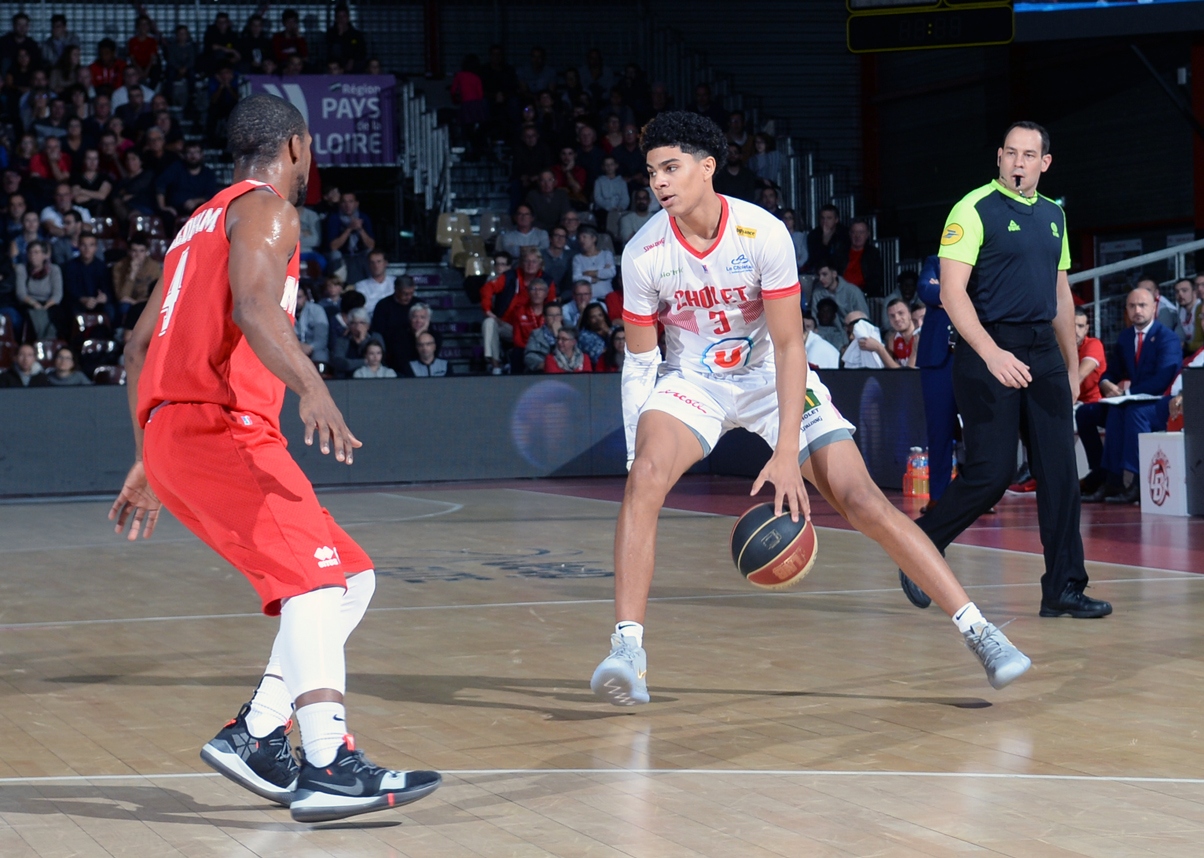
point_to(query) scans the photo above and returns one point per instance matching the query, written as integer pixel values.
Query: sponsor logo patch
(728, 354)
(1013, 226)
(671, 273)
(327, 557)
(739, 265)
(1053, 227)
(683, 398)
(656, 243)
(1160, 478)
(746, 232)
(952, 235)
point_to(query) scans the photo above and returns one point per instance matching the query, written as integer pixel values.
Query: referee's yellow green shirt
(1016, 245)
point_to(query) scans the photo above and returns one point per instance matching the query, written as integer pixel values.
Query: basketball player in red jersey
(207, 366)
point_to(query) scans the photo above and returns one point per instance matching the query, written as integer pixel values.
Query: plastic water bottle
(911, 474)
(921, 481)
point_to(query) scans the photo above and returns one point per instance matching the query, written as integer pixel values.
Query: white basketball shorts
(712, 405)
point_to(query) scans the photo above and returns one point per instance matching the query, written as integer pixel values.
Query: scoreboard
(913, 25)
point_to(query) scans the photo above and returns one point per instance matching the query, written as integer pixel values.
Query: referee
(1004, 257)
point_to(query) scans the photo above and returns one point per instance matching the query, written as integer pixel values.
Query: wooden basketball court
(834, 719)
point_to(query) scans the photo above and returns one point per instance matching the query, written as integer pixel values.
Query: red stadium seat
(108, 375)
(44, 350)
(83, 323)
(105, 229)
(152, 225)
(97, 353)
(8, 343)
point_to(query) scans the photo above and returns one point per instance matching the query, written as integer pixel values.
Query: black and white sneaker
(351, 785)
(264, 766)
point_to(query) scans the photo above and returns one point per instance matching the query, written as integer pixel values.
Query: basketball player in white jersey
(720, 275)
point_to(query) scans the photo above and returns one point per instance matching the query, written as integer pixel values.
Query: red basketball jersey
(197, 353)
(901, 348)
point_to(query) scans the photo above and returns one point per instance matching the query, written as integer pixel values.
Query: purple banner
(349, 116)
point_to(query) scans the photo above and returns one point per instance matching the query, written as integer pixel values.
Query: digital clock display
(878, 5)
(918, 29)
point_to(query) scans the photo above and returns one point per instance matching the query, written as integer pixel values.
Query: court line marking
(853, 530)
(120, 540)
(701, 597)
(779, 773)
(454, 507)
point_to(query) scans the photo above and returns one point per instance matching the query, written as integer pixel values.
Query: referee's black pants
(993, 416)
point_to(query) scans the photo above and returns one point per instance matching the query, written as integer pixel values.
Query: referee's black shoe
(1078, 605)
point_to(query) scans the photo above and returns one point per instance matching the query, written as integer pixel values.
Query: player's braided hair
(693, 134)
(259, 125)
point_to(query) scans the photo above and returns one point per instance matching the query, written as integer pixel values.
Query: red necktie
(1140, 337)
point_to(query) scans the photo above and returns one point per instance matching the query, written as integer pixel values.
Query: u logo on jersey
(727, 355)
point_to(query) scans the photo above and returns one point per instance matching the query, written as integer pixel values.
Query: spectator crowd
(102, 159)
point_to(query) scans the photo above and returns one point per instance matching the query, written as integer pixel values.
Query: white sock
(355, 600)
(967, 617)
(323, 730)
(629, 629)
(271, 707)
(271, 704)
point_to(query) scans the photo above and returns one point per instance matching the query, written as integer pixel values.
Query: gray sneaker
(619, 679)
(1003, 662)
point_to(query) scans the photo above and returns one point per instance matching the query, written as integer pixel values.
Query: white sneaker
(999, 656)
(619, 679)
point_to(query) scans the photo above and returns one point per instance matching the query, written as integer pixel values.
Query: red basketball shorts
(228, 477)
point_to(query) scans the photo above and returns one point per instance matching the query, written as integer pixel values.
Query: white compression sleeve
(355, 601)
(638, 380)
(273, 703)
(311, 652)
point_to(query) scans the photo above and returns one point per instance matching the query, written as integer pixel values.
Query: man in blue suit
(934, 357)
(1145, 360)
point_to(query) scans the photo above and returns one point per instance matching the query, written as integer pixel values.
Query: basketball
(772, 552)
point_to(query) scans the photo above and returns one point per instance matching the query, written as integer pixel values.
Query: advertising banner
(350, 116)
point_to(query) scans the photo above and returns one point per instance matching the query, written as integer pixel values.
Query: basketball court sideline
(832, 719)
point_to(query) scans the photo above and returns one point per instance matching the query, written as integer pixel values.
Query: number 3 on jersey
(720, 316)
(173, 292)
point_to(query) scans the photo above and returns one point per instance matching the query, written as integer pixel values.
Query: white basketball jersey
(711, 303)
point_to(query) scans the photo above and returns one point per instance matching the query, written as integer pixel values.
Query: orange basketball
(772, 552)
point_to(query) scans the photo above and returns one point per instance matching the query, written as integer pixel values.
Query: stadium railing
(1108, 312)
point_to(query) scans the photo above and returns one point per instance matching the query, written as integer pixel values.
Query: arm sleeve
(1095, 351)
(1169, 363)
(929, 285)
(641, 300)
(963, 233)
(607, 271)
(1064, 261)
(56, 284)
(22, 284)
(488, 291)
(775, 261)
